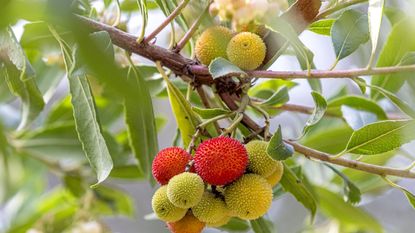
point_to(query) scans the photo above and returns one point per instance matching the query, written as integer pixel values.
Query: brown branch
(370, 168)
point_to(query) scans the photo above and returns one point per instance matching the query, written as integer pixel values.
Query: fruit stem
(234, 124)
(267, 120)
(192, 142)
(215, 119)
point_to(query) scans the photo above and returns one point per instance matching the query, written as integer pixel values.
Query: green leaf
(375, 14)
(113, 201)
(318, 112)
(401, 104)
(356, 110)
(182, 110)
(208, 113)
(19, 76)
(398, 44)
(348, 32)
(347, 215)
(322, 27)
(357, 118)
(381, 137)
(103, 41)
(293, 184)
(356, 102)
(141, 124)
(339, 133)
(221, 67)
(350, 191)
(277, 149)
(86, 121)
(271, 85)
(260, 225)
(279, 98)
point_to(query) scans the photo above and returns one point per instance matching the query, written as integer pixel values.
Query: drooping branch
(370, 168)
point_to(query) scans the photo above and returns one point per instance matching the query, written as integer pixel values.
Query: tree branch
(370, 168)
(182, 66)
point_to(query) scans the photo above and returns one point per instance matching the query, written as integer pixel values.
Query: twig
(315, 74)
(170, 18)
(190, 32)
(370, 168)
(266, 122)
(192, 142)
(309, 110)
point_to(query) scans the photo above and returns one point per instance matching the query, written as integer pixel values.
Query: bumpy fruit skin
(210, 209)
(276, 176)
(164, 209)
(212, 44)
(188, 224)
(249, 197)
(168, 163)
(220, 223)
(259, 161)
(185, 190)
(221, 160)
(246, 50)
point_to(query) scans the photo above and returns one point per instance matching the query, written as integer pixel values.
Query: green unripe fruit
(249, 197)
(212, 44)
(220, 223)
(185, 190)
(259, 161)
(210, 209)
(276, 176)
(246, 50)
(164, 209)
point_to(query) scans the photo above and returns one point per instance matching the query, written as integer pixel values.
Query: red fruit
(220, 160)
(169, 162)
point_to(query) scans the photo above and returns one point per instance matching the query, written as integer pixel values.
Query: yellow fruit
(188, 224)
(249, 197)
(246, 50)
(164, 209)
(185, 190)
(259, 161)
(220, 223)
(212, 44)
(210, 209)
(276, 176)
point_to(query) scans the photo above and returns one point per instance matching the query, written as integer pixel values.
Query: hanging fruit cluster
(224, 179)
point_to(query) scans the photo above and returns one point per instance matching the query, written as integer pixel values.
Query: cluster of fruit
(246, 50)
(224, 179)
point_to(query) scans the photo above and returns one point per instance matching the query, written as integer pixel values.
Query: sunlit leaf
(375, 14)
(348, 32)
(381, 137)
(322, 27)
